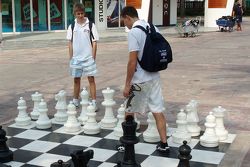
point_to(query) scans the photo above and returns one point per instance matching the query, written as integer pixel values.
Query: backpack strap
(91, 36)
(142, 28)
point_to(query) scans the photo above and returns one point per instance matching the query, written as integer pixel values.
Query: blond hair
(78, 7)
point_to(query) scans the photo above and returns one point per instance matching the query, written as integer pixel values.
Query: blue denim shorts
(82, 68)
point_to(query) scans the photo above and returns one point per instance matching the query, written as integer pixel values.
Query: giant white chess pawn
(192, 118)
(61, 107)
(22, 119)
(181, 132)
(72, 125)
(43, 121)
(151, 134)
(209, 138)
(36, 98)
(137, 121)
(85, 101)
(118, 131)
(108, 121)
(91, 127)
(220, 130)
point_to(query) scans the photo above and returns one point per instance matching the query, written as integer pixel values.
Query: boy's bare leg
(77, 85)
(161, 125)
(92, 87)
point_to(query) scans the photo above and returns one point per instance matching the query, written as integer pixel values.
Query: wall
(173, 12)
(157, 10)
(144, 11)
(212, 14)
(101, 14)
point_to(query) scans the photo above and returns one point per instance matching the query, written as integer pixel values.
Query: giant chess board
(33, 147)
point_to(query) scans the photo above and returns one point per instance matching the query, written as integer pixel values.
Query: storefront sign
(100, 14)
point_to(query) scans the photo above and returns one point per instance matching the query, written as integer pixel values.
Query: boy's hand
(126, 91)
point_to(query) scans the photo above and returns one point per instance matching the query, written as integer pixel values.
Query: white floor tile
(40, 146)
(145, 148)
(32, 134)
(107, 164)
(47, 159)
(14, 164)
(229, 139)
(153, 161)
(32, 125)
(82, 140)
(191, 144)
(62, 130)
(102, 154)
(206, 156)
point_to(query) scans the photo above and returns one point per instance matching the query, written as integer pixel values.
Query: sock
(94, 102)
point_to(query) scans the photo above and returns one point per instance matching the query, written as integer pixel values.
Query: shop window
(7, 20)
(70, 15)
(114, 8)
(57, 14)
(22, 15)
(40, 15)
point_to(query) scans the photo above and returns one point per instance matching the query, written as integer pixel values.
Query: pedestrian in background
(237, 13)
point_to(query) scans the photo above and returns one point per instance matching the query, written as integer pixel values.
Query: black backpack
(157, 52)
(90, 28)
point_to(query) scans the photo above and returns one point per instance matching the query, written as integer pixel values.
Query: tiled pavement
(212, 68)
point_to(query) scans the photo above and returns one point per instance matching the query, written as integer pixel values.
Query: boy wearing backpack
(83, 39)
(142, 88)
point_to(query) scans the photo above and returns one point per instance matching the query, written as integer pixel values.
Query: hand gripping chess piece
(81, 158)
(129, 139)
(36, 98)
(209, 138)
(151, 134)
(108, 121)
(22, 119)
(85, 102)
(220, 130)
(72, 125)
(181, 134)
(6, 155)
(192, 118)
(43, 121)
(61, 107)
(184, 155)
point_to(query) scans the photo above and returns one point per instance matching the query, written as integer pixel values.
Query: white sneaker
(96, 108)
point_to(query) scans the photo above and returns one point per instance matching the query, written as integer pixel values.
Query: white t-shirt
(136, 41)
(82, 48)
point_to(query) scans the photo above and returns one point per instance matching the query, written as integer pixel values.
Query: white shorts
(145, 97)
(83, 68)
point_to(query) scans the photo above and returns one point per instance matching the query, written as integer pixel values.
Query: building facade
(20, 16)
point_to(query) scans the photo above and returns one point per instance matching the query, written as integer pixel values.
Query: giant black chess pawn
(81, 158)
(60, 163)
(6, 155)
(129, 139)
(184, 155)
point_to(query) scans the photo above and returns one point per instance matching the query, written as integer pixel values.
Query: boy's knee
(91, 79)
(77, 80)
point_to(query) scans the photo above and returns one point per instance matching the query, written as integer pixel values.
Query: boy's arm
(131, 67)
(94, 49)
(70, 50)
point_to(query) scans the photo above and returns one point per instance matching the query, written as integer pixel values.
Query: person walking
(142, 89)
(237, 13)
(82, 36)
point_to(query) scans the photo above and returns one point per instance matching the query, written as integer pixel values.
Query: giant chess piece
(43, 121)
(81, 158)
(22, 119)
(72, 125)
(209, 138)
(91, 127)
(137, 121)
(220, 130)
(6, 155)
(36, 98)
(60, 163)
(121, 115)
(181, 134)
(184, 155)
(151, 134)
(61, 107)
(85, 101)
(129, 139)
(192, 118)
(108, 121)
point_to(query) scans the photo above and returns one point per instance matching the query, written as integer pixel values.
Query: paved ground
(212, 68)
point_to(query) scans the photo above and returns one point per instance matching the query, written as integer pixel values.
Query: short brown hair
(130, 11)
(78, 7)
